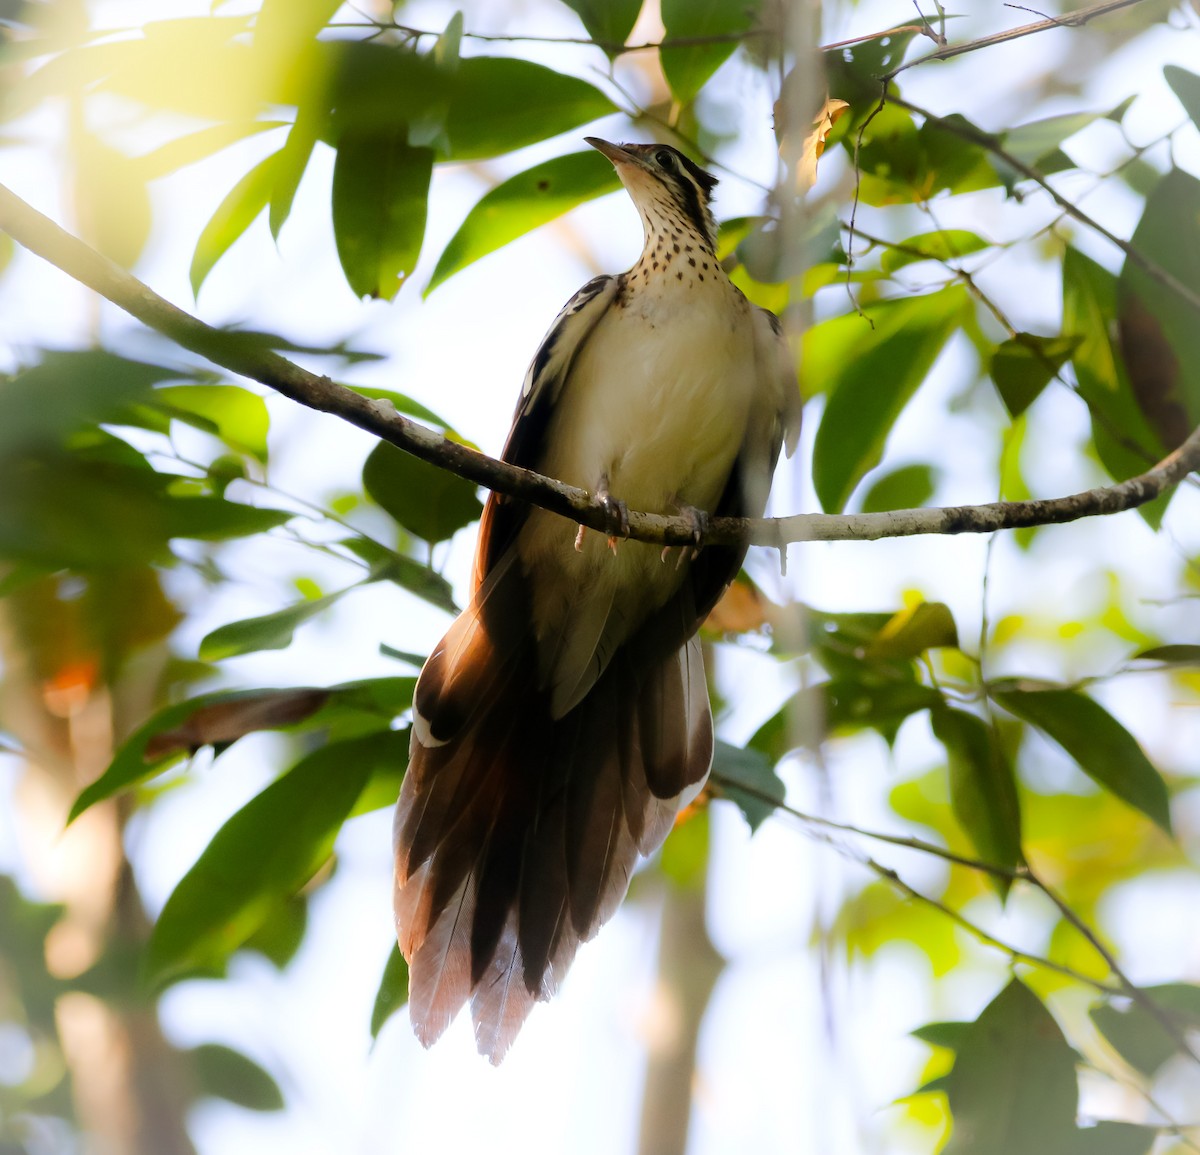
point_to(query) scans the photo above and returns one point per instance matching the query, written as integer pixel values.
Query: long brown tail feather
(517, 833)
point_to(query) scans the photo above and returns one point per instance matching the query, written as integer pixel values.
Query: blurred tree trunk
(688, 968)
(130, 1088)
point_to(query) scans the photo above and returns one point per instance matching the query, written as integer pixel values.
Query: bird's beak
(614, 152)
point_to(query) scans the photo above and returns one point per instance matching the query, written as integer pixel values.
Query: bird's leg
(698, 522)
(616, 513)
(616, 517)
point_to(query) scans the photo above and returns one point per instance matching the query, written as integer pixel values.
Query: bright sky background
(771, 1077)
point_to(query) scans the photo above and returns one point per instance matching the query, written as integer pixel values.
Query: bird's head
(670, 190)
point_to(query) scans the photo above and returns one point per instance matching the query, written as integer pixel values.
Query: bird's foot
(698, 522)
(616, 514)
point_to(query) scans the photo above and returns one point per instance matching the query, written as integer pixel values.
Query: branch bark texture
(246, 357)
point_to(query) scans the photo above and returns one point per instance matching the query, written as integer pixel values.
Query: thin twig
(42, 236)
(1012, 874)
(1069, 20)
(1139, 996)
(613, 46)
(985, 937)
(890, 875)
(1021, 873)
(968, 132)
(584, 41)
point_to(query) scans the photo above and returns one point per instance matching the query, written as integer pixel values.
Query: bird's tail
(516, 833)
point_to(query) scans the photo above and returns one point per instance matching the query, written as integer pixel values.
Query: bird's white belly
(657, 410)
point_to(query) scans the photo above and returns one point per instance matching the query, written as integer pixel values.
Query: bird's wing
(466, 670)
(548, 371)
(780, 366)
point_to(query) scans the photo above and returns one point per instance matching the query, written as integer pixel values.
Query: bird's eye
(666, 159)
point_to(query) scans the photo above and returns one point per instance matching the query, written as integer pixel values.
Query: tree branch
(1068, 20)
(233, 352)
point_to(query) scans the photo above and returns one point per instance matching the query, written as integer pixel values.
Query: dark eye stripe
(690, 198)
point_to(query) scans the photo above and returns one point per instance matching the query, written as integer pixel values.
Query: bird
(563, 722)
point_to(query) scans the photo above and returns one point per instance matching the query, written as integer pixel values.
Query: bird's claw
(698, 523)
(616, 519)
(616, 515)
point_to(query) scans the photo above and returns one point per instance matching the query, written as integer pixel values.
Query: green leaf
(386, 697)
(235, 415)
(1109, 1138)
(1040, 140)
(161, 741)
(1173, 655)
(403, 403)
(1160, 337)
(221, 718)
(521, 204)
(70, 390)
(851, 706)
(1139, 1036)
(688, 67)
(291, 23)
(1013, 1086)
(181, 151)
(1186, 86)
(747, 778)
(983, 789)
(871, 367)
(841, 706)
(1125, 443)
(906, 487)
(500, 104)
(372, 86)
(272, 631)
(950, 1036)
(234, 215)
(1102, 747)
(1025, 364)
(224, 1073)
(912, 631)
(427, 501)
(901, 163)
(949, 162)
(380, 200)
(944, 245)
(279, 937)
(608, 22)
(684, 858)
(405, 656)
(383, 788)
(392, 993)
(293, 160)
(265, 853)
(388, 565)
(84, 512)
